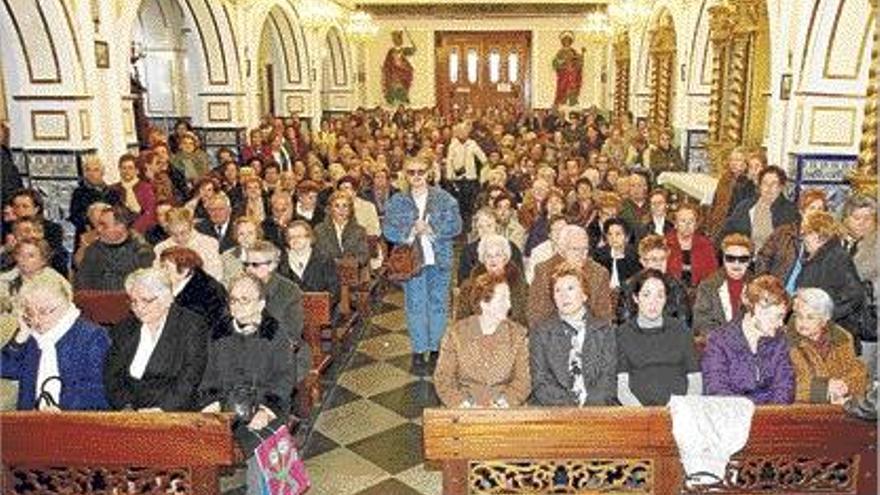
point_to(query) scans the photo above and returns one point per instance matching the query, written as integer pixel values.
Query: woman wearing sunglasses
(429, 216)
(719, 296)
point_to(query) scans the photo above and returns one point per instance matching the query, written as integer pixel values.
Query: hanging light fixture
(628, 12)
(318, 13)
(597, 25)
(360, 26)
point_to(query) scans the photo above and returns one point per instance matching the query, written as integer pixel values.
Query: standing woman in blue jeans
(430, 216)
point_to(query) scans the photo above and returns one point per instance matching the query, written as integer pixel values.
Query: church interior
(381, 247)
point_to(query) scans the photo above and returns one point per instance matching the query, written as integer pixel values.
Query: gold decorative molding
(662, 52)
(621, 49)
(848, 113)
(826, 72)
(50, 125)
(864, 177)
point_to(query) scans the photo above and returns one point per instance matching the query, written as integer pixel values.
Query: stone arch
(337, 88)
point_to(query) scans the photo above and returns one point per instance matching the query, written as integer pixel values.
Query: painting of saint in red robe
(397, 71)
(569, 65)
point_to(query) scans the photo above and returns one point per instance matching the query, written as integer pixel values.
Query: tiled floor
(367, 438)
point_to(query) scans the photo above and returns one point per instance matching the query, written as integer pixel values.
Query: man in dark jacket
(117, 253)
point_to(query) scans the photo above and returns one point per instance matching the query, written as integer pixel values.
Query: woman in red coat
(691, 254)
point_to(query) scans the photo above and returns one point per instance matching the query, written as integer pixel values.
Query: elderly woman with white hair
(484, 224)
(56, 355)
(495, 259)
(158, 356)
(825, 364)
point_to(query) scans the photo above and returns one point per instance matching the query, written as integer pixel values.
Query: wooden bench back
(478, 444)
(316, 309)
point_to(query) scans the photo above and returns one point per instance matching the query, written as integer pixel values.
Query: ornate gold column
(662, 52)
(621, 71)
(864, 178)
(732, 28)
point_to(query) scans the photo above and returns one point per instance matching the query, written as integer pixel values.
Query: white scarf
(131, 201)
(48, 366)
(575, 355)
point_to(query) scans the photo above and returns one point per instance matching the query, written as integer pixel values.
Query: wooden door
(482, 69)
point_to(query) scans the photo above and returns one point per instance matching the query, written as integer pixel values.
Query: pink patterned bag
(283, 471)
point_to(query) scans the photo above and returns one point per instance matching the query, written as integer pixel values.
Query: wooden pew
(791, 449)
(114, 452)
(317, 317)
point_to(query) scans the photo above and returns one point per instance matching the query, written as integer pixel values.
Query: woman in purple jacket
(749, 356)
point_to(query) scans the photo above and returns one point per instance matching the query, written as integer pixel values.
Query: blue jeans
(427, 301)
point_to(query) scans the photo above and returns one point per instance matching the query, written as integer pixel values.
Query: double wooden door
(482, 69)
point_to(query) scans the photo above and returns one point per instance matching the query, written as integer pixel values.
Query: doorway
(482, 69)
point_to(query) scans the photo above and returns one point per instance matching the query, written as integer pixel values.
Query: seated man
(115, 254)
(56, 356)
(826, 368)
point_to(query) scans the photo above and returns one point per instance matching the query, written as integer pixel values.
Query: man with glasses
(719, 298)
(284, 300)
(428, 217)
(219, 222)
(56, 355)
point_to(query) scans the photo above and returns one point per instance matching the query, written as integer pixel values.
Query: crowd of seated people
(580, 282)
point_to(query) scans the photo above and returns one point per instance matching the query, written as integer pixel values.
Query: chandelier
(318, 13)
(627, 13)
(360, 26)
(597, 25)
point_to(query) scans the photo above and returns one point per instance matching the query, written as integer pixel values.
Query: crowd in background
(576, 279)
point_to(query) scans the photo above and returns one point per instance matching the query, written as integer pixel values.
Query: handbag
(281, 467)
(242, 401)
(404, 261)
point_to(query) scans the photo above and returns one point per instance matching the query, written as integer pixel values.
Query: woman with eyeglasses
(157, 357)
(250, 369)
(573, 355)
(56, 355)
(749, 357)
(719, 297)
(428, 217)
(655, 353)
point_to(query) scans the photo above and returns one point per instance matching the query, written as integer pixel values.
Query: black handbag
(241, 400)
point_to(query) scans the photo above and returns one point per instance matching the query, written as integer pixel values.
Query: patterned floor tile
(342, 472)
(410, 399)
(392, 320)
(375, 330)
(340, 396)
(426, 479)
(401, 362)
(374, 379)
(386, 346)
(318, 444)
(356, 420)
(394, 450)
(390, 487)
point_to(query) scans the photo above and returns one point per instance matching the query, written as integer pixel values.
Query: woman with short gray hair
(157, 357)
(494, 253)
(822, 353)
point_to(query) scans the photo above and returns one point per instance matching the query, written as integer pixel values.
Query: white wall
(545, 43)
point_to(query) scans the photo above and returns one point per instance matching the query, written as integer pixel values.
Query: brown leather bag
(404, 261)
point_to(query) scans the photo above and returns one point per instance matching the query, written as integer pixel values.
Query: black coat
(261, 361)
(84, 196)
(354, 241)
(319, 275)
(832, 270)
(227, 241)
(204, 296)
(626, 267)
(174, 370)
(782, 212)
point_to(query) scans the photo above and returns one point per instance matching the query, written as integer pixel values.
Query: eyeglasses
(416, 171)
(251, 264)
(241, 300)
(743, 260)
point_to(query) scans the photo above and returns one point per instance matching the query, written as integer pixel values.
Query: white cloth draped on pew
(708, 431)
(696, 185)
